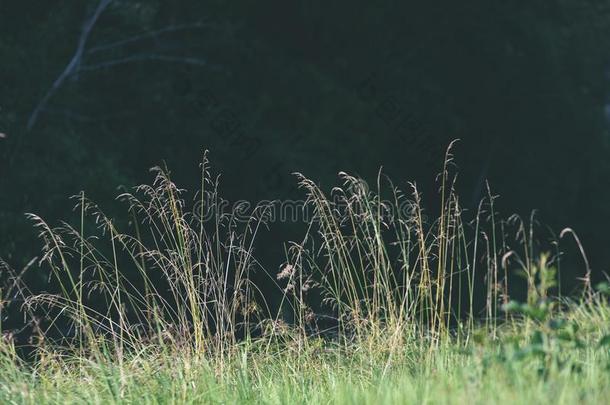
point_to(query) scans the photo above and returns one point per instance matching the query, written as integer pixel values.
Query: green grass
(172, 308)
(483, 372)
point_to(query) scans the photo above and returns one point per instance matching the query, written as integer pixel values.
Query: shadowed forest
(304, 107)
(278, 87)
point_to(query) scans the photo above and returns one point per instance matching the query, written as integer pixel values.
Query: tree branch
(151, 34)
(72, 66)
(142, 57)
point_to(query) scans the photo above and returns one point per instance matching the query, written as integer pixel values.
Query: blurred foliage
(273, 87)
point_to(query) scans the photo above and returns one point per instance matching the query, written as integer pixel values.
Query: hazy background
(272, 87)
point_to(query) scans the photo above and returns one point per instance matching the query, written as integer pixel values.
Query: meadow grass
(381, 301)
(483, 372)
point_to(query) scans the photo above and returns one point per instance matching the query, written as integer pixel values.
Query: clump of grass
(387, 299)
(191, 283)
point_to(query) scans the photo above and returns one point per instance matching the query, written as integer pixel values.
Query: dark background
(272, 87)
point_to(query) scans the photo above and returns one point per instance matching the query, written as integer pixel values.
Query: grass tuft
(381, 300)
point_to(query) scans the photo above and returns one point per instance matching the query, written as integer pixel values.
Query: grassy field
(380, 302)
(508, 369)
(513, 368)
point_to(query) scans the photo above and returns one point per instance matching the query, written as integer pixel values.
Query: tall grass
(377, 282)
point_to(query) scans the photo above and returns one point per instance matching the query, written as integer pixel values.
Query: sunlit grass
(388, 303)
